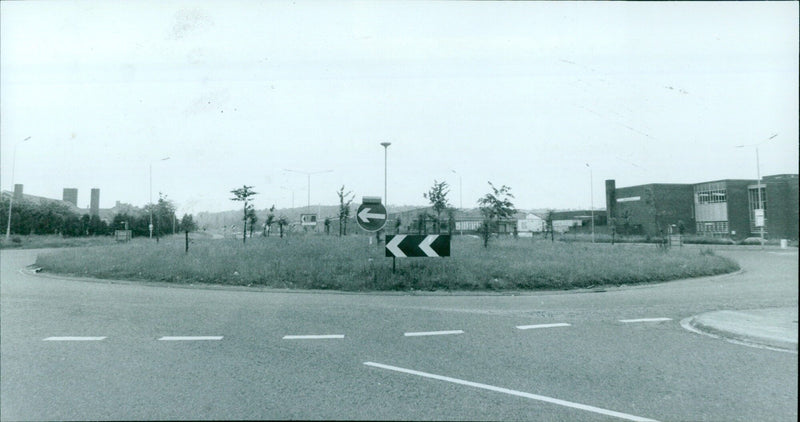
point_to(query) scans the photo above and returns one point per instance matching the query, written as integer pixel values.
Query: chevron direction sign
(410, 245)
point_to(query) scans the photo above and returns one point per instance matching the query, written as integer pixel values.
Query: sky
(550, 99)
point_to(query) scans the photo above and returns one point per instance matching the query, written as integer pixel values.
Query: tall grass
(352, 264)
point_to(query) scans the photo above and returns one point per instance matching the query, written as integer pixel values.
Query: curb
(694, 325)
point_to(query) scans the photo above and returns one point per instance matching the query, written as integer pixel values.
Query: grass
(52, 241)
(352, 264)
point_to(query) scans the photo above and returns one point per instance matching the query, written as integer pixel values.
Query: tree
(252, 218)
(270, 221)
(451, 220)
(344, 209)
(548, 225)
(327, 225)
(437, 196)
(187, 223)
(397, 224)
(282, 222)
(244, 194)
(163, 212)
(495, 206)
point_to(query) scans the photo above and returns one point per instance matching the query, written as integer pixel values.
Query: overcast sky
(524, 94)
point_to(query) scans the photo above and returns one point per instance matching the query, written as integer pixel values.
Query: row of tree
(494, 206)
(56, 217)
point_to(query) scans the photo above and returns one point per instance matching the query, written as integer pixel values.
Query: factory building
(781, 205)
(650, 209)
(722, 208)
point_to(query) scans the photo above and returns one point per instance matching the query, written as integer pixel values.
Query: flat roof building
(721, 208)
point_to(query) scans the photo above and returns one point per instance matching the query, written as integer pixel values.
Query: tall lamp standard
(309, 173)
(591, 197)
(460, 198)
(760, 206)
(385, 191)
(151, 195)
(11, 201)
(385, 158)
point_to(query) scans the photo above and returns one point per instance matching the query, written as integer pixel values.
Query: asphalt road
(578, 356)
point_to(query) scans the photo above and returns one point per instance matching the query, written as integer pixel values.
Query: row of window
(711, 196)
(712, 227)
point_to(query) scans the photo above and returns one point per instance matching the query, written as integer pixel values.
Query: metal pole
(591, 197)
(11, 200)
(760, 203)
(591, 200)
(385, 173)
(151, 201)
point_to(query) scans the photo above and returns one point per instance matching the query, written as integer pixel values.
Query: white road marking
(74, 339)
(646, 320)
(189, 338)
(512, 392)
(528, 327)
(433, 333)
(313, 337)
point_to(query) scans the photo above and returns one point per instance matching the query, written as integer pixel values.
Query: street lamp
(460, 198)
(151, 195)
(11, 201)
(308, 173)
(385, 157)
(758, 183)
(591, 197)
(292, 190)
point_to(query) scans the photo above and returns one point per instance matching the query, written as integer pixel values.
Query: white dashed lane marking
(74, 338)
(314, 337)
(645, 320)
(559, 402)
(529, 327)
(433, 333)
(190, 338)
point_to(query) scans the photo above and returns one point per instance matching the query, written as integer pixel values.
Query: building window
(712, 228)
(712, 193)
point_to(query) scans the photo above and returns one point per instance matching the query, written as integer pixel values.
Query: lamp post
(591, 197)
(291, 190)
(308, 174)
(385, 158)
(11, 200)
(151, 195)
(760, 206)
(385, 191)
(460, 198)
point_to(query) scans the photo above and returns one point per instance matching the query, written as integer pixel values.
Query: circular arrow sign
(371, 217)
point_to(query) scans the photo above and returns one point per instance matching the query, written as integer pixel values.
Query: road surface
(76, 349)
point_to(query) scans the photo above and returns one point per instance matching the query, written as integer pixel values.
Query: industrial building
(721, 208)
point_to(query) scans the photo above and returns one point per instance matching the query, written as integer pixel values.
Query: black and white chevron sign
(410, 245)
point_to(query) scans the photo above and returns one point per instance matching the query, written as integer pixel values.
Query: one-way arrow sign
(410, 245)
(365, 215)
(371, 216)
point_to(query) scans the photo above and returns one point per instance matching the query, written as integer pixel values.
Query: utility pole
(11, 200)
